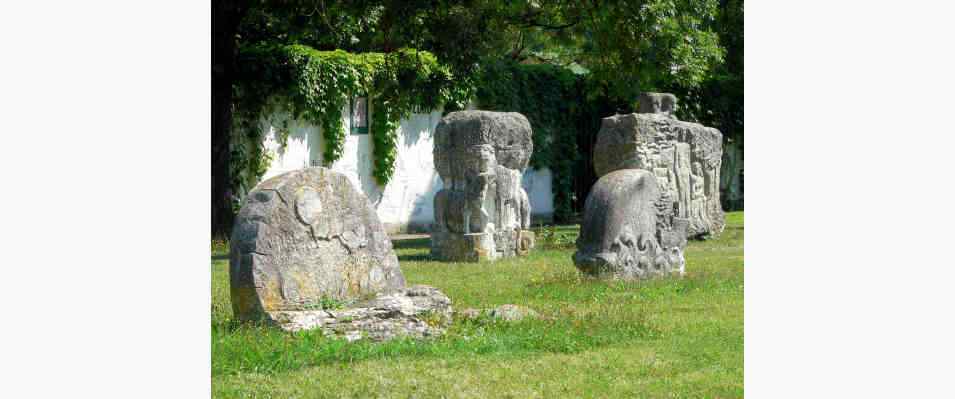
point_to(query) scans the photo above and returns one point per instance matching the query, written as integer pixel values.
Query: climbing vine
(565, 109)
(550, 97)
(316, 85)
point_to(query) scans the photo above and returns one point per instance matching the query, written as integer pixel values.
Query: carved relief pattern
(629, 229)
(480, 157)
(685, 157)
(303, 236)
(658, 185)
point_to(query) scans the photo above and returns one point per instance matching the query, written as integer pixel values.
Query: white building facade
(406, 203)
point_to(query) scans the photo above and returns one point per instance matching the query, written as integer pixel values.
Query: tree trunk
(225, 20)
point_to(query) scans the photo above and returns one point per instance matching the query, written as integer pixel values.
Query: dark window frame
(358, 130)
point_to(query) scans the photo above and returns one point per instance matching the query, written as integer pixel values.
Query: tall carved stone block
(684, 156)
(659, 185)
(483, 211)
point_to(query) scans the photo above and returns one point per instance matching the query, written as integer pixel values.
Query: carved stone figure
(308, 237)
(700, 219)
(629, 230)
(482, 212)
(659, 184)
(690, 153)
(657, 103)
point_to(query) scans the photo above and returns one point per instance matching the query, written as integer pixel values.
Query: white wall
(537, 183)
(407, 202)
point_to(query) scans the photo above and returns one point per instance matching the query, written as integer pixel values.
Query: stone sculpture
(657, 103)
(482, 212)
(684, 156)
(659, 185)
(629, 230)
(306, 239)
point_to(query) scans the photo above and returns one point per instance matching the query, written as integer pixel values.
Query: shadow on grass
(412, 243)
(425, 257)
(416, 244)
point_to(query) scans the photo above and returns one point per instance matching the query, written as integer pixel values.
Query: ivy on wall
(550, 97)
(316, 85)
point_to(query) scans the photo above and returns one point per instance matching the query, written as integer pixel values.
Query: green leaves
(316, 85)
(546, 95)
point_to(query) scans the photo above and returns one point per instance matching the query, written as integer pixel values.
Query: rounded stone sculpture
(305, 238)
(624, 234)
(482, 211)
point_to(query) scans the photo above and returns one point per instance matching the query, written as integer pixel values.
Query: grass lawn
(659, 338)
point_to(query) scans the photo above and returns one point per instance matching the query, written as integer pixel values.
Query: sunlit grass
(669, 337)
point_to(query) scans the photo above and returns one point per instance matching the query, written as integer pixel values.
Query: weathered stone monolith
(629, 231)
(307, 246)
(659, 185)
(684, 156)
(483, 211)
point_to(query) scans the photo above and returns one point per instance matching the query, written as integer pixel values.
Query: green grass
(658, 338)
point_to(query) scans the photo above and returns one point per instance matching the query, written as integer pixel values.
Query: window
(359, 115)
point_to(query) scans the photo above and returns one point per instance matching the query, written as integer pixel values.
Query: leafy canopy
(322, 52)
(316, 85)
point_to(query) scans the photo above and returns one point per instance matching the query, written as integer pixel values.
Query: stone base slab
(476, 247)
(418, 311)
(455, 247)
(525, 242)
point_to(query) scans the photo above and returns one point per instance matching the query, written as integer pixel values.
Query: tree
(226, 16)
(718, 101)
(624, 47)
(356, 26)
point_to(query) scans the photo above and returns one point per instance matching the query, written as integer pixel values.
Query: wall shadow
(420, 248)
(412, 243)
(425, 257)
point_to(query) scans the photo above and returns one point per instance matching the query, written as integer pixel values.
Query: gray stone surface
(418, 312)
(685, 157)
(629, 230)
(482, 210)
(304, 236)
(526, 242)
(511, 312)
(507, 313)
(657, 103)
